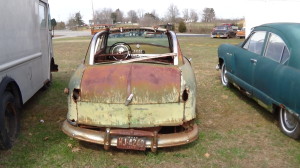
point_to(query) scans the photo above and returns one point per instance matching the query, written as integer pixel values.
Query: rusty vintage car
(133, 92)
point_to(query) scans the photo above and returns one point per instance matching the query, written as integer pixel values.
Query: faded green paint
(106, 114)
(269, 82)
(72, 109)
(188, 82)
(76, 78)
(74, 84)
(119, 115)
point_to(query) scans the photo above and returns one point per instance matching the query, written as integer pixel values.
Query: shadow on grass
(271, 117)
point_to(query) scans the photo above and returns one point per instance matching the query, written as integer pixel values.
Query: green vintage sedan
(266, 66)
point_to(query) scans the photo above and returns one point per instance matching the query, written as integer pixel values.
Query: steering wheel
(120, 50)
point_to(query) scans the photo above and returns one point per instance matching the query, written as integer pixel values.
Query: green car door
(246, 59)
(268, 68)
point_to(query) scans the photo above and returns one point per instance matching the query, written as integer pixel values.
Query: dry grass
(234, 130)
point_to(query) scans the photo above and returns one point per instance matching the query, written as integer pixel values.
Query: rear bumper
(109, 137)
(240, 35)
(219, 36)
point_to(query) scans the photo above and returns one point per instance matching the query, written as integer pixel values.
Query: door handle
(253, 60)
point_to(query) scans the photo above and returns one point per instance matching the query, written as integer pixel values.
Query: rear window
(276, 49)
(221, 28)
(139, 37)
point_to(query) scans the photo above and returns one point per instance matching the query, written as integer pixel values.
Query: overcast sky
(61, 10)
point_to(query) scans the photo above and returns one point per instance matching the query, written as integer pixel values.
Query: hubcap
(289, 120)
(224, 78)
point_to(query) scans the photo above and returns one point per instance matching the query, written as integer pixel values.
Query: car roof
(290, 32)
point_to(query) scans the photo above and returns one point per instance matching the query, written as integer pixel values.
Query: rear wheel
(224, 79)
(289, 124)
(9, 120)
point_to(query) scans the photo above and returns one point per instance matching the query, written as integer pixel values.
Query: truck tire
(9, 120)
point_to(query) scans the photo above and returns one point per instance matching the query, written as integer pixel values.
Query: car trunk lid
(113, 84)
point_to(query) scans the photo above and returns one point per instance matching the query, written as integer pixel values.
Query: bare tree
(103, 16)
(193, 15)
(149, 20)
(75, 21)
(117, 16)
(72, 23)
(186, 14)
(132, 16)
(155, 14)
(172, 13)
(140, 13)
(208, 15)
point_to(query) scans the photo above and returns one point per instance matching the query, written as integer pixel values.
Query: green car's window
(255, 42)
(285, 55)
(276, 49)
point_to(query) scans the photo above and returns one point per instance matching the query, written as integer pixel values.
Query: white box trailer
(260, 12)
(26, 59)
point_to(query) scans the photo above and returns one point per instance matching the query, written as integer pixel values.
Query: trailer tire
(9, 120)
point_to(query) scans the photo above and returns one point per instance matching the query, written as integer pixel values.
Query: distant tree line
(172, 15)
(142, 18)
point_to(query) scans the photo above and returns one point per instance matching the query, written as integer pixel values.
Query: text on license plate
(133, 143)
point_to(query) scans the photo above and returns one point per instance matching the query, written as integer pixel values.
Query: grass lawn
(234, 130)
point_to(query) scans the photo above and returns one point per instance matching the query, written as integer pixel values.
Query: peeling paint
(133, 98)
(148, 83)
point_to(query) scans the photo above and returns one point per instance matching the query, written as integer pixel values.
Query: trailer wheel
(9, 120)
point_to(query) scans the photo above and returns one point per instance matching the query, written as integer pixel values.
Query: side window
(285, 55)
(100, 44)
(277, 49)
(42, 15)
(255, 42)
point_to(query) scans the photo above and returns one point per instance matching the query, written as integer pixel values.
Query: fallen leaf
(60, 119)
(224, 96)
(70, 145)
(46, 138)
(207, 155)
(30, 134)
(76, 149)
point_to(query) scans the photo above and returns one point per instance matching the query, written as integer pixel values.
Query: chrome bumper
(109, 137)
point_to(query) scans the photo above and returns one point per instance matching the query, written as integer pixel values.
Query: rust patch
(132, 132)
(114, 83)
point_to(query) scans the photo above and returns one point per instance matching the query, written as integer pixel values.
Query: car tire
(289, 124)
(224, 79)
(9, 120)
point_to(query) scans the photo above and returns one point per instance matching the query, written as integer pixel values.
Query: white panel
(259, 12)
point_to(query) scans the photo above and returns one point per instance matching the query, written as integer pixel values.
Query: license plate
(132, 143)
